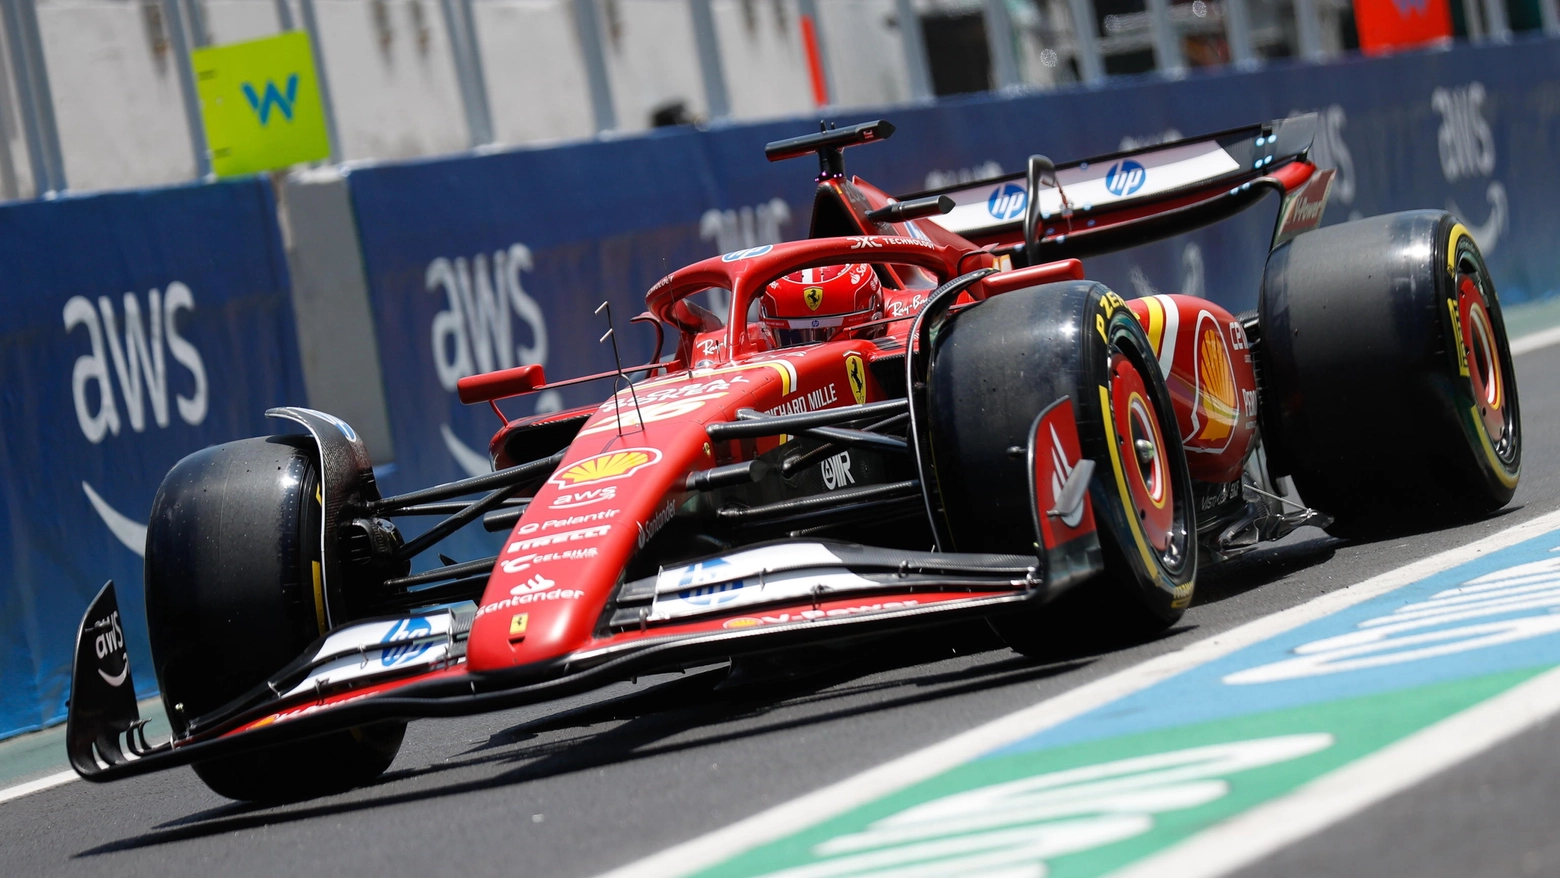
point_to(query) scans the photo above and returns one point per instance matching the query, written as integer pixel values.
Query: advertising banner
(482, 262)
(138, 327)
(1390, 25)
(260, 103)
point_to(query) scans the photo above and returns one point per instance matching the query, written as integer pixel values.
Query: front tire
(1389, 391)
(233, 594)
(993, 369)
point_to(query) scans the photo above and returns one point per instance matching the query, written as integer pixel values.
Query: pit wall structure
(142, 326)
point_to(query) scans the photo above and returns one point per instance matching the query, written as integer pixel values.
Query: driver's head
(816, 304)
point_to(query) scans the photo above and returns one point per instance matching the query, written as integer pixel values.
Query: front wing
(413, 666)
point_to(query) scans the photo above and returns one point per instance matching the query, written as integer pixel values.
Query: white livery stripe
(1172, 332)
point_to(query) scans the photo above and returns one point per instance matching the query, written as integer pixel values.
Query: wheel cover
(1147, 466)
(1486, 375)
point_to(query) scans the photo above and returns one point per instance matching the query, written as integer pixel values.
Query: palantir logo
(1007, 201)
(1125, 177)
(273, 97)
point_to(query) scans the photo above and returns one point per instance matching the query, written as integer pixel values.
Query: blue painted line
(1203, 694)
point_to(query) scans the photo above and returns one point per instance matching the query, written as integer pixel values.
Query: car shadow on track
(1243, 573)
(689, 712)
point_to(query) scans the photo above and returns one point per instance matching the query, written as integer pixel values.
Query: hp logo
(749, 253)
(1125, 177)
(701, 584)
(398, 647)
(1007, 201)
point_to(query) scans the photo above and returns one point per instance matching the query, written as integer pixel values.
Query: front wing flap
(413, 666)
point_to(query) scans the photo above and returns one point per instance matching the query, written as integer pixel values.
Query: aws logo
(262, 102)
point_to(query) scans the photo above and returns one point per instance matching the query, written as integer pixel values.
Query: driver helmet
(815, 304)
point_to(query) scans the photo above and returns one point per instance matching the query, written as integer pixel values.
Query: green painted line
(1059, 805)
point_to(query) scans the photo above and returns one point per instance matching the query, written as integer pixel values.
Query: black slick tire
(993, 369)
(232, 596)
(1388, 388)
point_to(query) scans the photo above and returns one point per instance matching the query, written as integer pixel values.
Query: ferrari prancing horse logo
(813, 296)
(856, 373)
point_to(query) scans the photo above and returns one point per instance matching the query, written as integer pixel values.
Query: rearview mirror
(1041, 170)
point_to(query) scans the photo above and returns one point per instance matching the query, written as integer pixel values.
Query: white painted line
(838, 798)
(1248, 837)
(1535, 341)
(35, 786)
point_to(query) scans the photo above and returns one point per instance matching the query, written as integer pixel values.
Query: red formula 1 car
(923, 412)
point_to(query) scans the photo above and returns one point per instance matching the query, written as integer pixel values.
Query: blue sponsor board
(480, 262)
(138, 327)
(141, 326)
(476, 264)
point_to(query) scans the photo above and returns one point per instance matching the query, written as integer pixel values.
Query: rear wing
(1128, 198)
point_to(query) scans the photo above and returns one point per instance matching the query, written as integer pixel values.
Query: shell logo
(1215, 407)
(606, 467)
(742, 622)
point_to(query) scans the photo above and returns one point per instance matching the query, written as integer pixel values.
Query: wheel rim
(1144, 457)
(1486, 373)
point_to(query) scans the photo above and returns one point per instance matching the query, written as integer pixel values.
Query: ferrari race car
(922, 412)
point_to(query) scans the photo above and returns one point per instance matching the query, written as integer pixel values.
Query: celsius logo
(1007, 201)
(402, 634)
(1125, 177)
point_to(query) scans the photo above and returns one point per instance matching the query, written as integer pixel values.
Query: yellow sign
(261, 104)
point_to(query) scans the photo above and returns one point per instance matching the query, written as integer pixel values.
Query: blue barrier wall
(137, 327)
(478, 262)
(482, 262)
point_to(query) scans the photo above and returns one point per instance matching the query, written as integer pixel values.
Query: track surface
(627, 773)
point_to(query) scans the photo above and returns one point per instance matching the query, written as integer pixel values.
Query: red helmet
(814, 304)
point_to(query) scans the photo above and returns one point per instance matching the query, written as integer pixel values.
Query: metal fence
(1021, 44)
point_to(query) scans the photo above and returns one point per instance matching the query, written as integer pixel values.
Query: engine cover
(1206, 360)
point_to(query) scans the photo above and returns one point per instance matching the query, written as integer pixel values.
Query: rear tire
(993, 369)
(232, 596)
(1389, 393)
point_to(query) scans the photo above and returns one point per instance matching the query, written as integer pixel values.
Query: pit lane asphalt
(595, 783)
